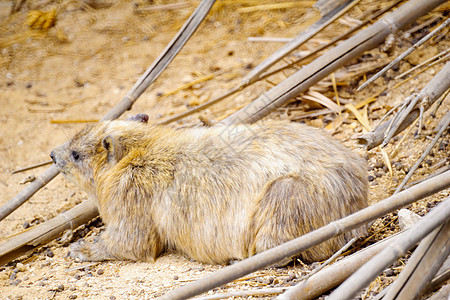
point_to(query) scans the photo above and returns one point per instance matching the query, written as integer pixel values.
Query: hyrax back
(216, 194)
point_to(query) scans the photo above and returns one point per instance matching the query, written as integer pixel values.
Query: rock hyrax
(217, 194)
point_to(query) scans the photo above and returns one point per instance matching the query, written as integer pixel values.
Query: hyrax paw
(79, 251)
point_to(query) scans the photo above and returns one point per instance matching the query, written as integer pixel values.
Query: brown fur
(216, 194)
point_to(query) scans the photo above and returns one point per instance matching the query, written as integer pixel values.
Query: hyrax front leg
(102, 248)
(90, 251)
(120, 244)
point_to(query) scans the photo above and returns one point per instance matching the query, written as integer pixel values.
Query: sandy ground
(80, 68)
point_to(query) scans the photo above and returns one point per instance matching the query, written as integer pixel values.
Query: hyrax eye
(75, 155)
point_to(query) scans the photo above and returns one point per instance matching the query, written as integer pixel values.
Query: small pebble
(398, 165)
(175, 277)
(371, 178)
(407, 218)
(291, 277)
(443, 146)
(379, 164)
(25, 225)
(21, 267)
(77, 276)
(100, 271)
(16, 270)
(47, 263)
(16, 282)
(377, 174)
(397, 264)
(73, 296)
(60, 288)
(12, 276)
(89, 274)
(49, 253)
(112, 297)
(389, 272)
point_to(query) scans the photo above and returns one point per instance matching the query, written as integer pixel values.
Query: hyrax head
(93, 150)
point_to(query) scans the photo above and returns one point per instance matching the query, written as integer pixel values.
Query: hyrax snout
(216, 194)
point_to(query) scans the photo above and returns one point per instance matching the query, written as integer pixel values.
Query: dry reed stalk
(324, 9)
(311, 239)
(161, 7)
(443, 124)
(199, 80)
(273, 6)
(439, 60)
(32, 167)
(330, 61)
(29, 239)
(336, 95)
(365, 123)
(335, 274)
(331, 259)
(443, 53)
(422, 266)
(127, 102)
(409, 111)
(325, 6)
(269, 39)
(72, 121)
(327, 279)
(337, 11)
(201, 106)
(421, 26)
(248, 293)
(442, 276)
(404, 54)
(370, 270)
(369, 19)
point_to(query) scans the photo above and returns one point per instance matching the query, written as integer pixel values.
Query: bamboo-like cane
(404, 54)
(376, 265)
(431, 92)
(332, 276)
(26, 241)
(422, 266)
(330, 61)
(329, 278)
(442, 276)
(313, 238)
(126, 103)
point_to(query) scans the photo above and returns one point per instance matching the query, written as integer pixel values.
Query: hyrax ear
(142, 118)
(113, 148)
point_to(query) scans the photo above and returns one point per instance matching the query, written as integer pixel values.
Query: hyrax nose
(52, 155)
